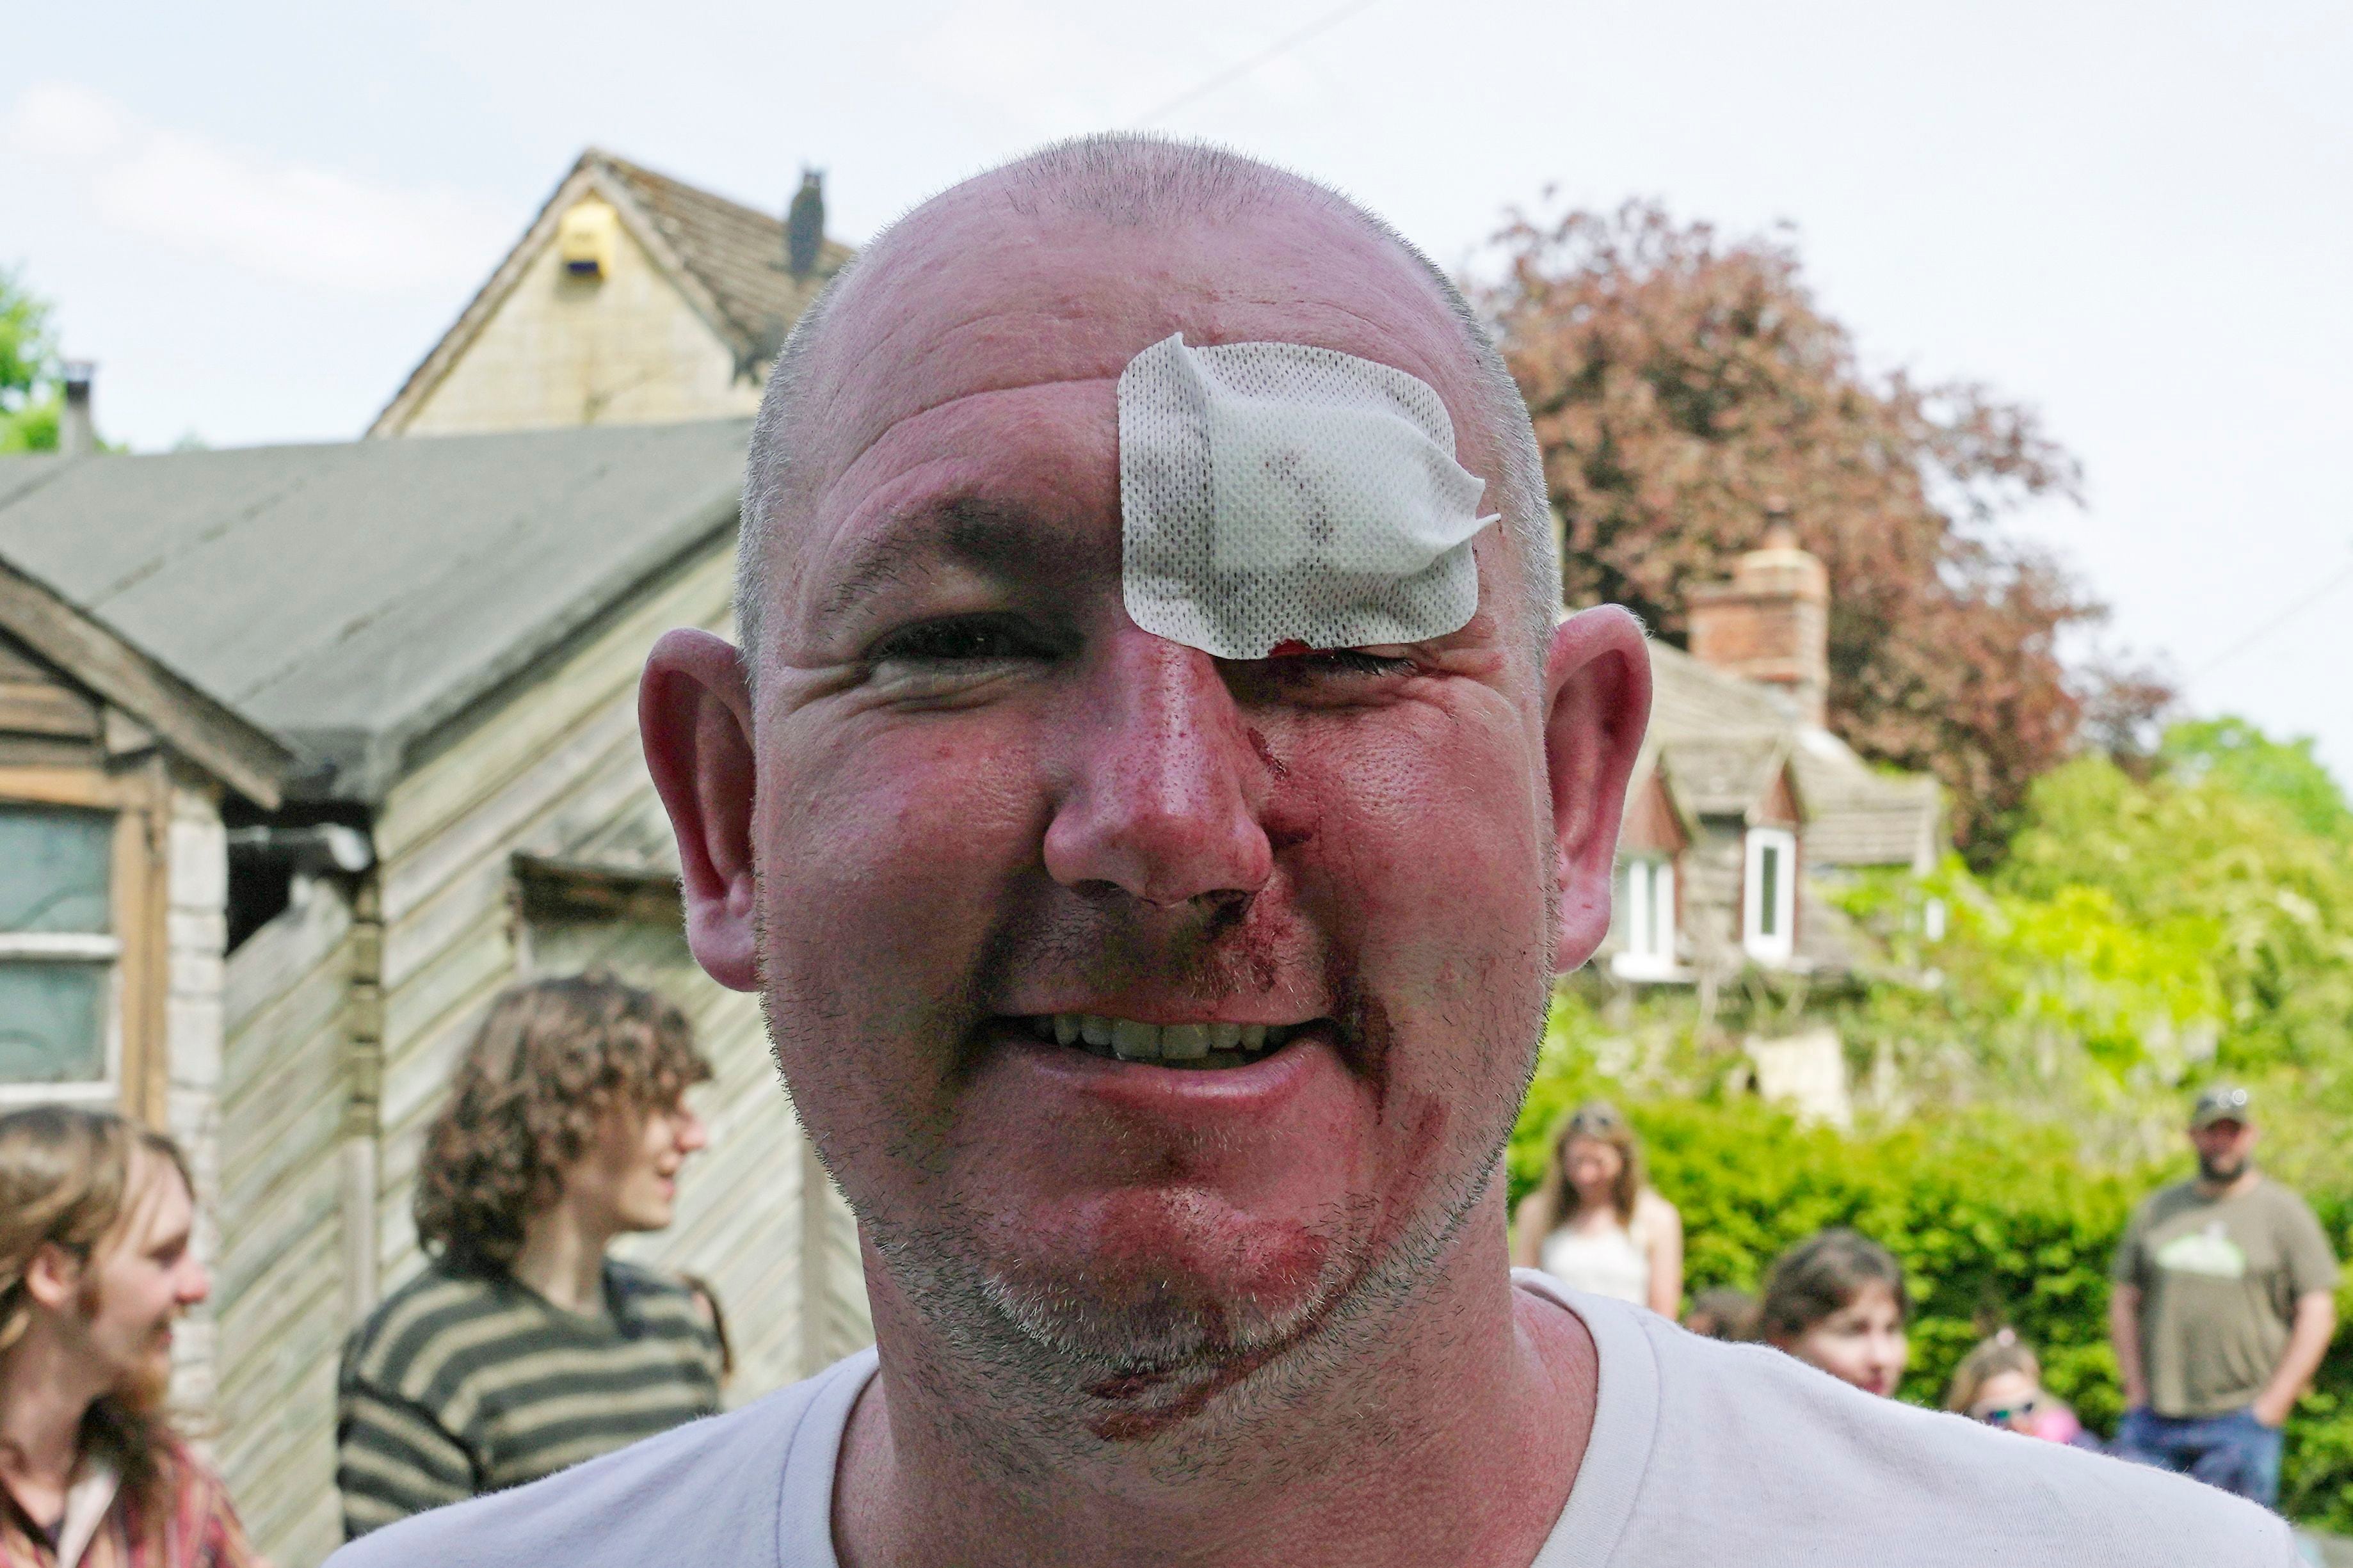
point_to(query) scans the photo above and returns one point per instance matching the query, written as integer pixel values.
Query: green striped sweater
(461, 1383)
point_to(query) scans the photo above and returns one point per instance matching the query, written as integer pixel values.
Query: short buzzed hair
(1132, 181)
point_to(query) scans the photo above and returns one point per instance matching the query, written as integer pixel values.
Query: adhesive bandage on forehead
(1278, 497)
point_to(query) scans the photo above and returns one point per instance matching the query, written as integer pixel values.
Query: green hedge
(1995, 1223)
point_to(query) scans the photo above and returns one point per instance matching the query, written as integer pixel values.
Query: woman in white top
(1593, 1225)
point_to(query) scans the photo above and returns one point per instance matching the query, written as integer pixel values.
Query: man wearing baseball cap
(2223, 1306)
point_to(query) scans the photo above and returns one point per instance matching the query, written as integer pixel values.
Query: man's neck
(562, 1258)
(45, 1392)
(1455, 1438)
(2237, 1186)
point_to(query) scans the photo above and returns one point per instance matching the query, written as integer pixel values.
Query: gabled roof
(93, 657)
(1725, 775)
(1723, 738)
(735, 251)
(726, 259)
(353, 598)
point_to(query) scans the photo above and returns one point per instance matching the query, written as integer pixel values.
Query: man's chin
(1108, 1297)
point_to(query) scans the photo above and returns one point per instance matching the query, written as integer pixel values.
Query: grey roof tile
(351, 597)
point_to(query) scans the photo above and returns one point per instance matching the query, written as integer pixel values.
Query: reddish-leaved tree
(1685, 388)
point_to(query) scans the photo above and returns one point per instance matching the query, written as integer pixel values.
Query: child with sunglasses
(2000, 1383)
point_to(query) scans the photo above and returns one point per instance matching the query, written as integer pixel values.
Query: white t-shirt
(1701, 1453)
(1613, 1260)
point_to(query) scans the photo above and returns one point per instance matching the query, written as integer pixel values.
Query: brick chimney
(1771, 623)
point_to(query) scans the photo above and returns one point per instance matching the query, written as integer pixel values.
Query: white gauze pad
(1275, 494)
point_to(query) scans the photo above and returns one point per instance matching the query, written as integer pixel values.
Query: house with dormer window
(1743, 802)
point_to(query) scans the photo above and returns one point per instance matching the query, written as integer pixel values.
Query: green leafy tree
(30, 393)
(2238, 842)
(2234, 755)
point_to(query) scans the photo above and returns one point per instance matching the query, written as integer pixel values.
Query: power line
(1323, 24)
(2275, 623)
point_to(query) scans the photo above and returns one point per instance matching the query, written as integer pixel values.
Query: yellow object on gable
(584, 240)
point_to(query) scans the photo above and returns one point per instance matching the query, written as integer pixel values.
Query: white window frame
(1646, 927)
(1779, 944)
(77, 947)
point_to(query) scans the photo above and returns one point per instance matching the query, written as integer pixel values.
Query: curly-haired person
(523, 1348)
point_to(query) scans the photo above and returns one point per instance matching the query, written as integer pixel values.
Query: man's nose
(1162, 787)
(691, 1132)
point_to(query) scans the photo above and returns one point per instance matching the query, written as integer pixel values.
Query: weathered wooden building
(352, 728)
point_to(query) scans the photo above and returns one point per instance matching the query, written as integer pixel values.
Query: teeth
(1129, 1040)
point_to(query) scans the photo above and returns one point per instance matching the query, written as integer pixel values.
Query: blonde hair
(75, 1179)
(2005, 1351)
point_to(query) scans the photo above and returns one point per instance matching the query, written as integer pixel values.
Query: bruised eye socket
(961, 639)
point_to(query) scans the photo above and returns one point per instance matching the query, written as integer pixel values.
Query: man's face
(2224, 1148)
(140, 1281)
(990, 810)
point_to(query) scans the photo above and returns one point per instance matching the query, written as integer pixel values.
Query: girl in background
(2000, 1383)
(1836, 1300)
(1593, 1225)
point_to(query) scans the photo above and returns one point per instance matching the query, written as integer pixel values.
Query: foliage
(30, 396)
(2140, 932)
(2234, 755)
(2222, 845)
(1684, 388)
(1996, 1221)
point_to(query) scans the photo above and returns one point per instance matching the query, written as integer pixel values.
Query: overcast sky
(2138, 217)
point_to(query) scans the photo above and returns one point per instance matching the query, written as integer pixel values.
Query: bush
(1996, 1222)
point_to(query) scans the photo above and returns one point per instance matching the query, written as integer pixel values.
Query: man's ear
(1597, 705)
(694, 719)
(53, 1276)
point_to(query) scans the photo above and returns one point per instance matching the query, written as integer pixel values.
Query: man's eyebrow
(999, 539)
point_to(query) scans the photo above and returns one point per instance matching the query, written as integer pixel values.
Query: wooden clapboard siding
(39, 704)
(520, 781)
(556, 773)
(844, 1323)
(279, 1286)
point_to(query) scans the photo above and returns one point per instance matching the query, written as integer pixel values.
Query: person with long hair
(96, 1215)
(1593, 1224)
(1837, 1301)
(523, 1348)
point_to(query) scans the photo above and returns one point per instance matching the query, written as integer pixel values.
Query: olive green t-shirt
(2218, 1281)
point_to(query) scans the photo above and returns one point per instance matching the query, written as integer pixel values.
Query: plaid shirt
(199, 1528)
